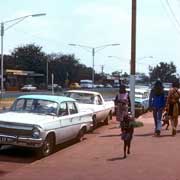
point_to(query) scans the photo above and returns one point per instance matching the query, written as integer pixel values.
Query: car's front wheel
(47, 147)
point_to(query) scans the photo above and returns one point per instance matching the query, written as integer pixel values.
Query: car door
(75, 118)
(65, 120)
(99, 106)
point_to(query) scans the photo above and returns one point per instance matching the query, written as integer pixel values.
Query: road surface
(100, 157)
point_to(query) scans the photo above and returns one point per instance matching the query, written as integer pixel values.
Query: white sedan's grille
(13, 129)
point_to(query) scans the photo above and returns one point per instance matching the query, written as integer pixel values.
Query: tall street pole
(93, 54)
(94, 50)
(133, 58)
(16, 21)
(47, 72)
(2, 59)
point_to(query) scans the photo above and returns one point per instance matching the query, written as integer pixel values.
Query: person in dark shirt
(157, 104)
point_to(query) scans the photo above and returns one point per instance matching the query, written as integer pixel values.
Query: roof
(139, 90)
(85, 92)
(57, 99)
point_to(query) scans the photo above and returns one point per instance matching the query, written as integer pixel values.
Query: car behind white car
(102, 110)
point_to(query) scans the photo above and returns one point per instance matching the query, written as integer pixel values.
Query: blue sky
(95, 23)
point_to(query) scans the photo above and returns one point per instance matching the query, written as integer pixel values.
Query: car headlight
(35, 132)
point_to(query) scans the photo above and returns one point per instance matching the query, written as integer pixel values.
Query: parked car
(43, 121)
(108, 86)
(28, 87)
(74, 86)
(99, 85)
(85, 83)
(102, 110)
(141, 100)
(116, 85)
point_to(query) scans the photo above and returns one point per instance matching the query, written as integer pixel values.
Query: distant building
(15, 79)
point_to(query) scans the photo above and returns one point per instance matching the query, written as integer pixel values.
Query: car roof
(139, 90)
(57, 99)
(83, 91)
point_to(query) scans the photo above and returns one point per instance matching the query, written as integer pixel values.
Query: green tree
(67, 67)
(30, 58)
(9, 62)
(143, 79)
(163, 71)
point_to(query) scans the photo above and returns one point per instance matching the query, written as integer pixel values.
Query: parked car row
(43, 121)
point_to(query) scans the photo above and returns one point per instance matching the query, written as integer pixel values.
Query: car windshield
(38, 106)
(84, 98)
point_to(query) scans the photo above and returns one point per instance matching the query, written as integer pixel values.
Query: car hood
(25, 118)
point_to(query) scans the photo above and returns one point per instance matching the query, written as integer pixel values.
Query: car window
(72, 108)
(19, 105)
(35, 106)
(28, 105)
(63, 111)
(44, 107)
(97, 100)
(84, 98)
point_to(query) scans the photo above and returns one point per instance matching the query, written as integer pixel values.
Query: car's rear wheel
(48, 146)
(106, 121)
(110, 114)
(80, 136)
(95, 124)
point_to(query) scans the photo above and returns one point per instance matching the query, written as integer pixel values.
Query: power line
(173, 17)
(172, 12)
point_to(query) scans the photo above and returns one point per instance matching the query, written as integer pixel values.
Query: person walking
(172, 106)
(157, 104)
(122, 103)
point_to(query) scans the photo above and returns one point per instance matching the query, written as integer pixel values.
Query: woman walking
(172, 106)
(157, 104)
(122, 102)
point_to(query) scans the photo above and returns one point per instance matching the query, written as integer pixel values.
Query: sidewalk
(100, 158)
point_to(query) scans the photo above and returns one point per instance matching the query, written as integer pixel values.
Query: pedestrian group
(164, 108)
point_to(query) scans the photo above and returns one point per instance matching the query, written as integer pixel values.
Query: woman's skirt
(122, 110)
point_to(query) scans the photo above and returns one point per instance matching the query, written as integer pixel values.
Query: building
(15, 79)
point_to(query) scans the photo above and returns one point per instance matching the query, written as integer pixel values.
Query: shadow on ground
(116, 159)
(111, 135)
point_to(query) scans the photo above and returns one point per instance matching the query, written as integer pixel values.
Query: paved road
(99, 157)
(109, 93)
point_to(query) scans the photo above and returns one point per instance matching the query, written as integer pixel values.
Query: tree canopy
(30, 57)
(163, 71)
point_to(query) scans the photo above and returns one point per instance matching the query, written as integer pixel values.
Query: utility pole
(93, 54)
(102, 69)
(133, 58)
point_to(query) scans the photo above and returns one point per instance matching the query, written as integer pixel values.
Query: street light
(93, 51)
(138, 59)
(16, 21)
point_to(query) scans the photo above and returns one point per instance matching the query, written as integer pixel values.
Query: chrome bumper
(21, 141)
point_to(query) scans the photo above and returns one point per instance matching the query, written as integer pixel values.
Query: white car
(102, 110)
(28, 87)
(43, 121)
